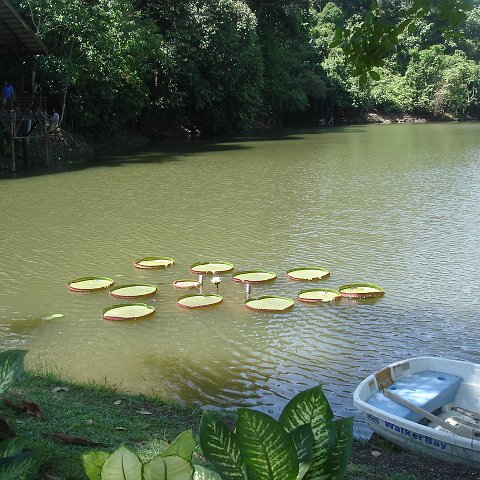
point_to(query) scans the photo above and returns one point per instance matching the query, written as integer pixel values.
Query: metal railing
(25, 104)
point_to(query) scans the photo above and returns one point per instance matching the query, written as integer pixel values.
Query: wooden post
(12, 145)
(45, 142)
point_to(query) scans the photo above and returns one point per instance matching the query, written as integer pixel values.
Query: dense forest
(162, 67)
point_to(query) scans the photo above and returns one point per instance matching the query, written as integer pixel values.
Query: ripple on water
(404, 218)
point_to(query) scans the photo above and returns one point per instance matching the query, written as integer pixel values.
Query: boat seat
(428, 390)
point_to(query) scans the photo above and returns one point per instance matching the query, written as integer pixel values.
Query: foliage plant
(305, 443)
(15, 463)
(175, 463)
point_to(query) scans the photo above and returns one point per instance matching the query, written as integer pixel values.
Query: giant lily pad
(89, 284)
(361, 290)
(154, 262)
(133, 290)
(254, 276)
(186, 284)
(199, 301)
(308, 274)
(210, 268)
(270, 303)
(319, 295)
(128, 311)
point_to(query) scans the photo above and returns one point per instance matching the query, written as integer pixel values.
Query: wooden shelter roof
(16, 37)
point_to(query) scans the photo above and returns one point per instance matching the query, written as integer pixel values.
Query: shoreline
(66, 148)
(100, 413)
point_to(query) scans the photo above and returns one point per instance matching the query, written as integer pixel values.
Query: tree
(99, 58)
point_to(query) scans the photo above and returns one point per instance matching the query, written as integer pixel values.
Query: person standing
(8, 95)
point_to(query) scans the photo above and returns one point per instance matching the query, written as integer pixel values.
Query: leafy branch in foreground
(367, 42)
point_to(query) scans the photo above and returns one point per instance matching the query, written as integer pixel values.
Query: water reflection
(393, 205)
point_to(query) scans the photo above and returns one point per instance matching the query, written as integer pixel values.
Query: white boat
(428, 405)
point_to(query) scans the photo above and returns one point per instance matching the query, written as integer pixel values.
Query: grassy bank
(101, 414)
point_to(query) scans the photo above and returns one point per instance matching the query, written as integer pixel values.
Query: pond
(394, 205)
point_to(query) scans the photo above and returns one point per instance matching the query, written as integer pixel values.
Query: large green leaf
(172, 467)
(302, 437)
(183, 446)
(312, 407)
(324, 435)
(11, 367)
(220, 448)
(122, 464)
(342, 449)
(202, 473)
(20, 467)
(11, 447)
(308, 407)
(267, 450)
(93, 463)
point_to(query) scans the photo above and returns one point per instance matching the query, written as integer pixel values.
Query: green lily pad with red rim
(307, 274)
(89, 284)
(210, 268)
(270, 303)
(128, 311)
(361, 290)
(133, 290)
(316, 295)
(154, 262)
(199, 301)
(186, 284)
(254, 276)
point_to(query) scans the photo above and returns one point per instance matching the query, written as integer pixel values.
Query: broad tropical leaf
(302, 437)
(183, 446)
(310, 406)
(11, 367)
(172, 467)
(20, 467)
(220, 448)
(324, 440)
(93, 463)
(11, 447)
(122, 464)
(342, 449)
(267, 450)
(202, 473)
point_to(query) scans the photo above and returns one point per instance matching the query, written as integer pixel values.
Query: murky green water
(396, 205)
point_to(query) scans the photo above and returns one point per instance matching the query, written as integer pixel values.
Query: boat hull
(407, 436)
(430, 439)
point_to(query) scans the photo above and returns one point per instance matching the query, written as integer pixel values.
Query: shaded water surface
(395, 205)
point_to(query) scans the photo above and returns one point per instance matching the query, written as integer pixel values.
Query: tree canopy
(230, 65)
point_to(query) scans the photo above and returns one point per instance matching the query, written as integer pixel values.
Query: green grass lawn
(95, 413)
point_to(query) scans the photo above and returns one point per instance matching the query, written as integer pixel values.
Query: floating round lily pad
(89, 284)
(128, 311)
(319, 295)
(205, 268)
(154, 262)
(186, 284)
(361, 290)
(308, 274)
(133, 290)
(254, 276)
(270, 303)
(199, 301)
